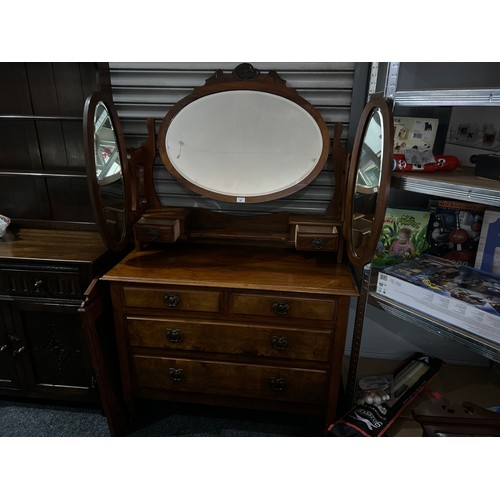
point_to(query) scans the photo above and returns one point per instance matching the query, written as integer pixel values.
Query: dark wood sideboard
(44, 275)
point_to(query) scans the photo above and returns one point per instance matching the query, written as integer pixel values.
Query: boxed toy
(372, 418)
(454, 230)
(488, 251)
(414, 133)
(459, 295)
(403, 236)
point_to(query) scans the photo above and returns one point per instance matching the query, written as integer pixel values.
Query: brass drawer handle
(153, 234)
(280, 308)
(277, 383)
(318, 243)
(38, 284)
(279, 343)
(173, 335)
(3, 347)
(171, 299)
(176, 374)
(19, 351)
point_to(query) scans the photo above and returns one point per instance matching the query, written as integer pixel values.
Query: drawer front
(231, 379)
(284, 307)
(172, 299)
(218, 337)
(61, 283)
(319, 242)
(160, 231)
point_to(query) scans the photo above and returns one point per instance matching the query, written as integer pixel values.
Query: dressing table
(218, 307)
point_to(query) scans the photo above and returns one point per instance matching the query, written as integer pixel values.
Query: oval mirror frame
(115, 231)
(269, 183)
(362, 231)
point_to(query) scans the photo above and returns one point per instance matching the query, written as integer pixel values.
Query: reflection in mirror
(107, 156)
(369, 170)
(109, 172)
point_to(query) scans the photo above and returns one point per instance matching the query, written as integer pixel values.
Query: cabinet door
(9, 378)
(52, 350)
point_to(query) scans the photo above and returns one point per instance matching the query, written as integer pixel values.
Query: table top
(232, 266)
(52, 245)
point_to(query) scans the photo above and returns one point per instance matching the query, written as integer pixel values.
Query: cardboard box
(461, 296)
(414, 133)
(488, 251)
(454, 229)
(403, 236)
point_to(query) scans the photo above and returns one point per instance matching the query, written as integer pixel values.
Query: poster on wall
(472, 131)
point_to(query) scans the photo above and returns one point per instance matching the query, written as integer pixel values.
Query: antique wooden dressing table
(228, 309)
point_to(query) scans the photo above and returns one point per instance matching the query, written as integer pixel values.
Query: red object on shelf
(442, 163)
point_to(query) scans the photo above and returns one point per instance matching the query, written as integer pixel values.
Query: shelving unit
(52, 251)
(429, 86)
(43, 180)
(460, 184)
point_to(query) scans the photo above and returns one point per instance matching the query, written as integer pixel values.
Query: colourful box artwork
(403, 236)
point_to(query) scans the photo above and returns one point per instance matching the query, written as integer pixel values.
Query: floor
(456, 383)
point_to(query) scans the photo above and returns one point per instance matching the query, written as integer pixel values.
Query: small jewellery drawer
(230, 379)
(321, 238)
(242, 339)
(55, 282)
(157, 230)
(173, 299)
(282, 307)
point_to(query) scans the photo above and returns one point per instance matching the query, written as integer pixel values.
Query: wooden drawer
(284, 307)
(219, 337)
(62, 282)
(315, 237)
(173, 299)
(231, 379)
(157, 230)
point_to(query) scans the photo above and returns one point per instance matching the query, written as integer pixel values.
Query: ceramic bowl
(4, 223)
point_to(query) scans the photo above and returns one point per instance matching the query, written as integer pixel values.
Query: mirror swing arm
(362, 238)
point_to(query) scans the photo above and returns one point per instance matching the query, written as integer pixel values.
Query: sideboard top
(52, 245)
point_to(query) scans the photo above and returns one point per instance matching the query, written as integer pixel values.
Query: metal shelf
(475, 343)
(470, 94)
(460, 184)
(460, 97)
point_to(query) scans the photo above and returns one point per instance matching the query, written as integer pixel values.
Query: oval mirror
(368, 181)
(244, 143)
(106, 164)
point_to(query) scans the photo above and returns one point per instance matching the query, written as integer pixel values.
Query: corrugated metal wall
(142, 90)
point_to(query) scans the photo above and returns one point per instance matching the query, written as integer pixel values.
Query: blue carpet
(27, 419)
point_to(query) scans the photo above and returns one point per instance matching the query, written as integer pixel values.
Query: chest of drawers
(238, 326)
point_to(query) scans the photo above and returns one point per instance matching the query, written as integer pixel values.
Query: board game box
(454, 230)
(403, 236)
(459, 295)
(488, 251)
